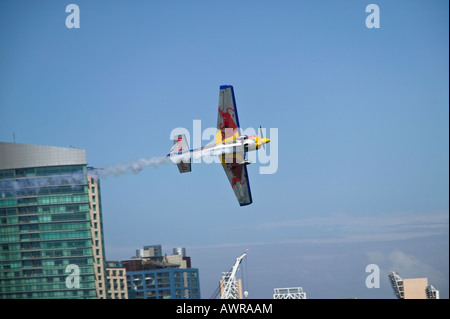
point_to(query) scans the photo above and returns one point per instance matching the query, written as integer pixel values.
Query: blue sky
(362, 118)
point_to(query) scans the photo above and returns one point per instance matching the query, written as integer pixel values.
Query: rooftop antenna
(14, 137)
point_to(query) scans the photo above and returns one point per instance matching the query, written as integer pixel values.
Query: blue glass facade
(172, 283)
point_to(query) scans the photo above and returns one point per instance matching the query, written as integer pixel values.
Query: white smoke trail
(132, 167)
(16, 187)
(19, 186)
(39, 185)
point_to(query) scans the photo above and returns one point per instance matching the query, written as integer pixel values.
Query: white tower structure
(397, 284)
(230, 286)
(432, 293)
(289, 293)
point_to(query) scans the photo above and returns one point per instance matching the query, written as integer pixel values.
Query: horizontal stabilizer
(178, 153)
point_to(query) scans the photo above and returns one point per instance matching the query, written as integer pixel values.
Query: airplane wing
(238, 177)
(227, 119)
(233, 164)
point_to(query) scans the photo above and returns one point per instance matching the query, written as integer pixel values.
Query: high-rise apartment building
(51, 237)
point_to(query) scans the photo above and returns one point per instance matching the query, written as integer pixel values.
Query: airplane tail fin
(180, 154)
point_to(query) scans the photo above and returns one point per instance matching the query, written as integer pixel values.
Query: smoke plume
(17, 187)
(131, 167)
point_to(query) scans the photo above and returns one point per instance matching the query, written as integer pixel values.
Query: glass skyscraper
(51, 237)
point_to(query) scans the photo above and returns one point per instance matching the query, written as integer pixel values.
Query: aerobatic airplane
(230, 146)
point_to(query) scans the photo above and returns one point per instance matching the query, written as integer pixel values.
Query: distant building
(180, 251)
(51, 228)
(412, 288)
(415, 288)
(117, 280)
(153, 276)
(170, 283)
(149, 251)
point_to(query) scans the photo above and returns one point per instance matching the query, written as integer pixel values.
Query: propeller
(260, 129)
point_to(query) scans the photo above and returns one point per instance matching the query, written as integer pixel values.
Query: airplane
(230, 146)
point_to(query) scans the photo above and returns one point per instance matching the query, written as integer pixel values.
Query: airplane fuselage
(232, 146)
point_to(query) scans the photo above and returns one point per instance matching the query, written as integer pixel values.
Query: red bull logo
(236, 170)
(179, 146)
(228, 126)
(183, 166)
